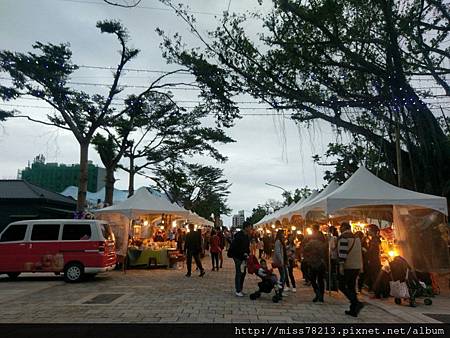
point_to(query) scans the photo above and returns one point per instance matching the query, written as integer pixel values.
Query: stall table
(141, 257)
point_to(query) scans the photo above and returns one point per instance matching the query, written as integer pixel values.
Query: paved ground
(167, 296)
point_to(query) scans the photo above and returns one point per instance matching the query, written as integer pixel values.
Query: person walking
(239, 250)
(193, 247)
(350, 264)
(222, 239)
(373, 258)
(315, 256)
(291, 257)
(215, 250)
(279, 259)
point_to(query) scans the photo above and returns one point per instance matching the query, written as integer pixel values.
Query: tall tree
(164, 130)
(46, 75)
(344, 62)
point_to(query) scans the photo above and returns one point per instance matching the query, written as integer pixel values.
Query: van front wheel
(13, 275)
(73, 273)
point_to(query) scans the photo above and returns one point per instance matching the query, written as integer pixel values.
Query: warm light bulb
(299, 232)
(174, 224)
(293, 228)
(162, 227)
(145, 223)
(273, 226)
(309, 231)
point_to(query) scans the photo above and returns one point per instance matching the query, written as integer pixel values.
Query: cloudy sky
(268, 148)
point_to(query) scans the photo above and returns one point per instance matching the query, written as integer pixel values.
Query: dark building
(57, 177)
(20, 200)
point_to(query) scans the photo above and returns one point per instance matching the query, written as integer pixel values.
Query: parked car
(75, 247)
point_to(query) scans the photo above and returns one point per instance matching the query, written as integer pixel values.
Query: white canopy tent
(365, 189)
(295, 210)
(274, 217)
(310, 205)
(145, 202)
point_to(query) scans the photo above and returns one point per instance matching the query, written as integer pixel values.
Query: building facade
(57, 177)
(238, 220)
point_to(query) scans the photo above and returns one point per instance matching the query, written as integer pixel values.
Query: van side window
(45, 232)
(14, 233)
(76, 232)
(107, 232)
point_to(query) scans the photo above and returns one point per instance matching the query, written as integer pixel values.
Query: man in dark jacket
(239, 251)
(193, 247)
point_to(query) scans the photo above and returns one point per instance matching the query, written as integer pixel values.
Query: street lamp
(276, 186)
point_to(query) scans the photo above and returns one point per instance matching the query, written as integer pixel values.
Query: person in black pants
(193, 246)
(240, 250)
(315, 256)
(291, 255)
(350, 264)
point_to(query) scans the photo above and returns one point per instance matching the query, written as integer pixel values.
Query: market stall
(417, 220)
(144, 226)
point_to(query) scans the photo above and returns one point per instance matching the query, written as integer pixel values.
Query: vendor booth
(144, 226)
(414, 224)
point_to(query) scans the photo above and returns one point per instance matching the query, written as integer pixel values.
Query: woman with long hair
(291, 257)
(279, 259)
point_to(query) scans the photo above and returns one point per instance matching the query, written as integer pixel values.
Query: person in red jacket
(215, 250)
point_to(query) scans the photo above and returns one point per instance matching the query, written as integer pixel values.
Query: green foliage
(350, 63)
(180, 180)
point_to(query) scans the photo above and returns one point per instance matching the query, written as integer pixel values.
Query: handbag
(399, 289)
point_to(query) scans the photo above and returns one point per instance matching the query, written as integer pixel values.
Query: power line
(143, 7)
(133, 69)
(186, 107)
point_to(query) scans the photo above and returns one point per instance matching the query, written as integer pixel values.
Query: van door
(77, 244)
(44, 247)
(13, 248)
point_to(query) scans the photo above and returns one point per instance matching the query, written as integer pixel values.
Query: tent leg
(329, 258)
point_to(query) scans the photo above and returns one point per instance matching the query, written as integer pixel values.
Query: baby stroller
(268, 282)
(405, 284)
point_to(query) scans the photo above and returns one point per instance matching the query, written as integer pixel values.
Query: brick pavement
(165, 295)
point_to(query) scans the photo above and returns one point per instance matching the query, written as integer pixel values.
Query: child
(266, 274)
(269, 281)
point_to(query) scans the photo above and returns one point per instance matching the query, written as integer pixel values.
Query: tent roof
(308, 206)
(145, 201)
(295, 210)
(274, 216)
(118, 196)
(364, 188)
(21, 189)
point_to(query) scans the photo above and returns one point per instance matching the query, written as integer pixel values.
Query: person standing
(193, 247)
(373, 258)
(215, 250)
(350, 264)
(291, 257)
(315, 256)
(279, 259)
(260, 246)
(239, 250)
(222, 245)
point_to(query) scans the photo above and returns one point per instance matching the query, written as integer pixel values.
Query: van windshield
(107, 232)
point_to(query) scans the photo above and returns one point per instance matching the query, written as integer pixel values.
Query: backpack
(252, 264)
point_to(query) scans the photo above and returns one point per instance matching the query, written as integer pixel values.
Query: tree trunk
(83, 183)
(109, 186)
(131, 177)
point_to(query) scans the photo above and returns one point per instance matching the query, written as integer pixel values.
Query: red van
(75, 247)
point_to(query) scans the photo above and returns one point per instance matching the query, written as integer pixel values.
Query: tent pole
(329, 257)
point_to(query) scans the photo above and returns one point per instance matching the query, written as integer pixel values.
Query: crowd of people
(336, 260)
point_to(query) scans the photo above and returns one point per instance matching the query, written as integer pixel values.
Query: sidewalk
(166, 296)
